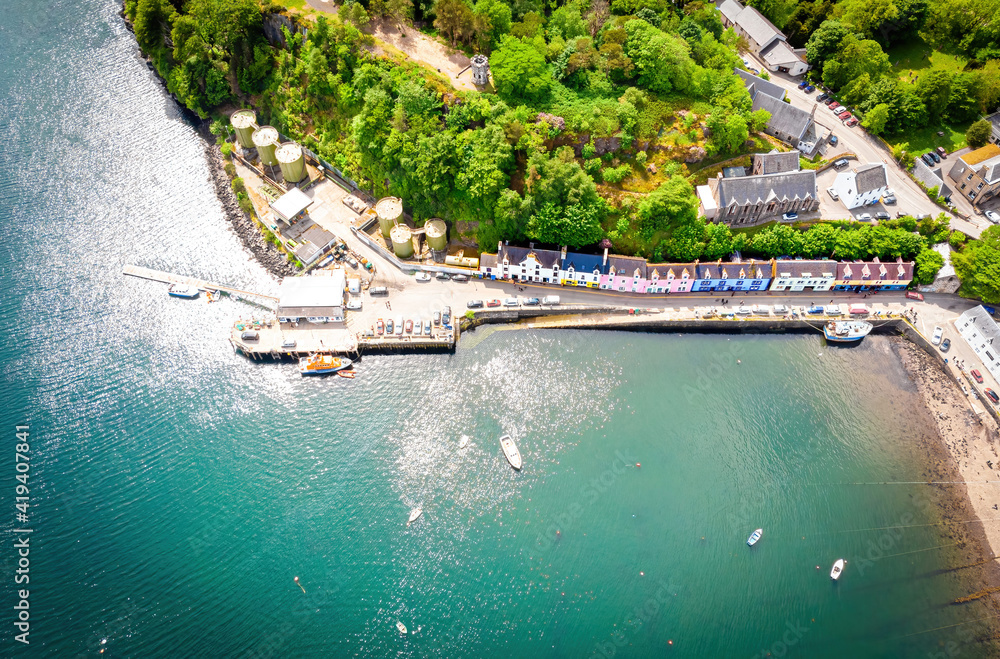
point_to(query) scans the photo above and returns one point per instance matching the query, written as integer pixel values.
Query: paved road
(911, 198)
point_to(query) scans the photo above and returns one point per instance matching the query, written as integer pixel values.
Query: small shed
(291, 204)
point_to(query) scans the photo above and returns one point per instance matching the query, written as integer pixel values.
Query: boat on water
(463, 441)
(401, 627)
(186, 292)
(838, 569)
(320, 364)
(510, 451)
(346, 374)
(754, 537)
(846, 331)
(414, 514)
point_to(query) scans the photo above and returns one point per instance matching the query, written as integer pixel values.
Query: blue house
(735, 276)
(583, 269)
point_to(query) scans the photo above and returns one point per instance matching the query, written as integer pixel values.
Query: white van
(550, 299)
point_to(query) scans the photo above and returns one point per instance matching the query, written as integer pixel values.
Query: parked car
(881, 216)
(834, 140)
(832, 193)
(935, 156)
(743, 311)
(532, 302)
(976, 375)
(780, 310)
(941, 152)
(399, 326)
(288, 344)
(437, 317)
(865, 217)
(446, 315)
(460, 277)
(442, 276)
(815, 310)
(945, 345)
(845, 115)
(388, 326)
(927, 159)
(832, 103)
(993, 216)
(423, 276)
(840, 164)
(379, 327)
(474, 304)
(493, 303)
(354, 304)
(992, 395)
(427, 327)
(510, 302)
(913, 295)
(803, 84)
(809, 89)
(938, 333)
(838, 108)
(790, 216)
(409, 326)
(852, 122)
(822, 97)
(890, 200)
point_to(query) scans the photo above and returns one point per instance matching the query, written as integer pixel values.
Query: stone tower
(480, 70)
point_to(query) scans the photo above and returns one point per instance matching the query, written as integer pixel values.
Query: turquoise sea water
(178, 489)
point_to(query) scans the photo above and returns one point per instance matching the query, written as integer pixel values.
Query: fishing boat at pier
(846, 331)
(186, 292)
(510, 451)
(320, 364)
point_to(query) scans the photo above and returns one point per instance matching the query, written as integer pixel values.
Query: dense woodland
(588, 94)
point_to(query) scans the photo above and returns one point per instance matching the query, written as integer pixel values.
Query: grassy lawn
(927, 139)
(909, 59)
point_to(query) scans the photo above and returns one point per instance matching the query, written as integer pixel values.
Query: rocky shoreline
(250, 234)
(266, 254)
(962, 455)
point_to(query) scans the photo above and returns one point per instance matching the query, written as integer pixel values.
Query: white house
(980, 331)
(863, 185)
(522, 264)
(797, 275)
(316, 299)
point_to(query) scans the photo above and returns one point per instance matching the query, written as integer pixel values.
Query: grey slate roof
(731, 172)
(625, 266)
(733, 270)
(779, 53)
(870, 177)
(487, 260)
(992, 167)
(785, 118)
(757, 27)
(516, 255)
(774, 163)
(750, 189)
(757, 85)
(730, 9)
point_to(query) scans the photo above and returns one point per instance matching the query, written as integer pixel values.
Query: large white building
(863, 185)
(314, 299)
(980, 331)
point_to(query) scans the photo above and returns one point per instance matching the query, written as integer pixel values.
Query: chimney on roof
(562, 255)
(531, 245)
(605, 261)
(499, 246)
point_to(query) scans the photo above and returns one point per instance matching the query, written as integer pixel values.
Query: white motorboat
(182, 291)
(414, 514)
(510, 451)
(401, 627)
(463, 441)
(846, 331)
(838, 569)
(754, 537)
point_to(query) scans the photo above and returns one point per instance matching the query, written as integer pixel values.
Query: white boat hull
(838, 569)
(414, 514)
(754, 537)
(510, 451)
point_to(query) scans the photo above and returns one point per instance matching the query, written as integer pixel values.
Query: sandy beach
(965, 467)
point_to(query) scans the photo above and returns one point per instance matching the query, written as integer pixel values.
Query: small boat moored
(510, 451)
(838, 569)
(754, 537)
(846, 331)
(186, 292)
(414, 514)
(463, 442)
(320, 364)
(401, 627)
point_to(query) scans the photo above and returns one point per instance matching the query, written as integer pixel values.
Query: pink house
(625, 274)
(670, 277)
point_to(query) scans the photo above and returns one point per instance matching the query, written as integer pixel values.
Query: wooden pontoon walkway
(170, 278)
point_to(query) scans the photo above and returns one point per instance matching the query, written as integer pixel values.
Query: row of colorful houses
(627, 274)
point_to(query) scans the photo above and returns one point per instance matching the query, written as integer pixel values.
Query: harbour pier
(202, 284)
